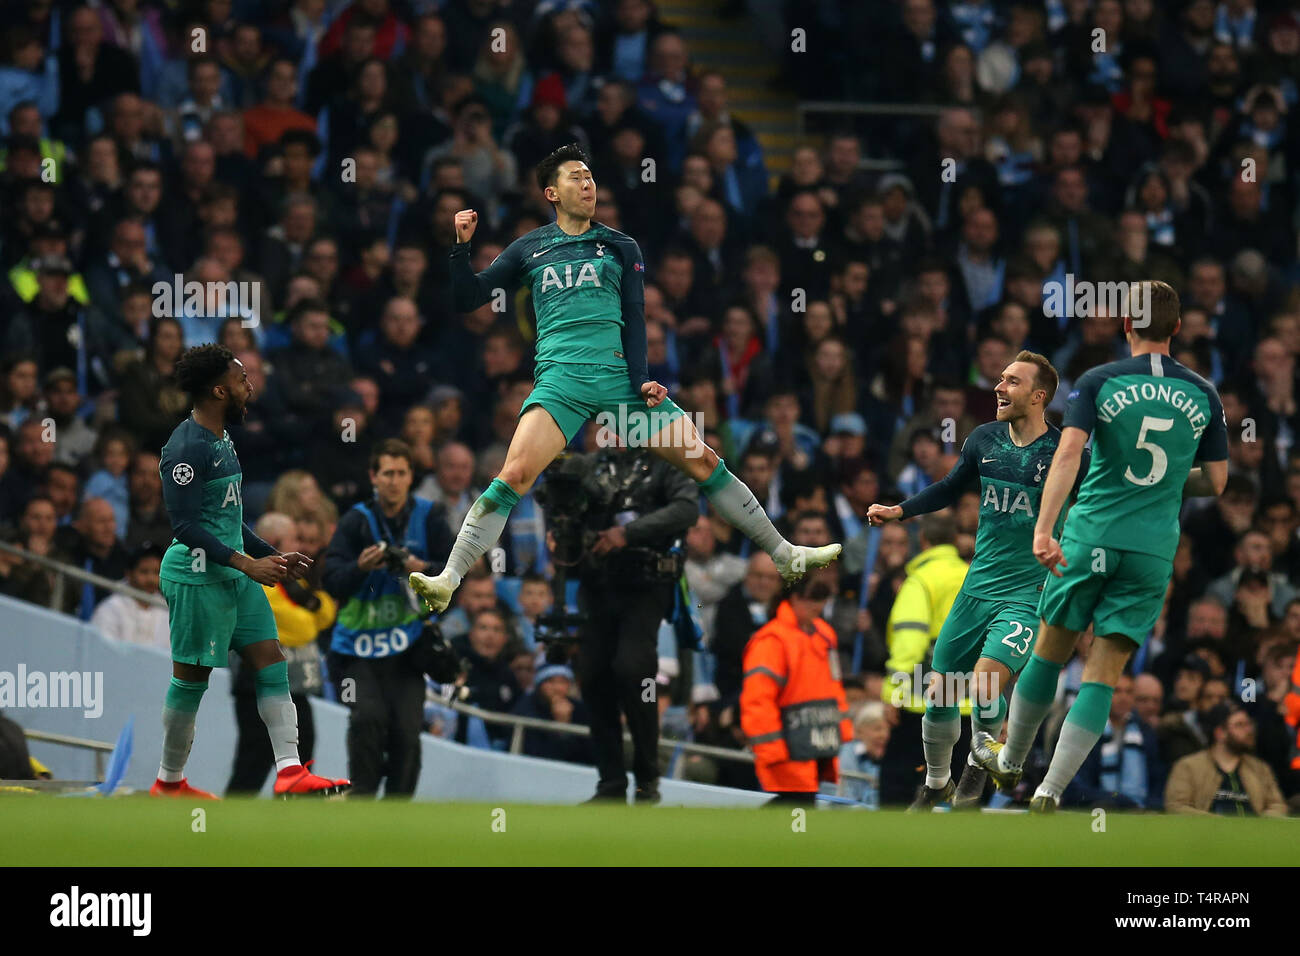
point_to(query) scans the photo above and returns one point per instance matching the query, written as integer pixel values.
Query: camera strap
(380, 526)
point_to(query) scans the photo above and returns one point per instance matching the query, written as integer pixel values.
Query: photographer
(380, 642)
(634, 509)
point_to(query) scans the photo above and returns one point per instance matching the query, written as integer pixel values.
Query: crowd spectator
(1225, 778)
(837, 327)
(128, 619)
(1124, 769)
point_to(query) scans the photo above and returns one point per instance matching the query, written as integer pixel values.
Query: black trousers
(618, 653)
(902, 769)
(254, 758)
(387, 713)
(793, 798)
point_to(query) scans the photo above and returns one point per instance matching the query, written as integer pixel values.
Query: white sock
(483, 524)
(938, 737)
(281, 719)
(741, 509)
(178, 737)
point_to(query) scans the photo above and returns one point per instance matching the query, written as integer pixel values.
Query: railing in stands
(65, 571)
(518, 722)
(521, 723)
(77, 743)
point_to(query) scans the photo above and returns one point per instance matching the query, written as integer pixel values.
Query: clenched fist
(879, 514)
(466, 221)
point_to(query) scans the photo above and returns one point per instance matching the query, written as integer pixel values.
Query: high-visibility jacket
(934, 578)
(1291, 709)
(24, 280)
(792, 706)
(295, 624)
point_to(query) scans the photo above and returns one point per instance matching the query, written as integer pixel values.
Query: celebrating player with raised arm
(215, 601)
(1151, 418)
(588, 293)
(990, 629)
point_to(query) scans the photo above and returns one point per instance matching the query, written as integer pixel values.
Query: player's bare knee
(262, 654)
(990, 681)
(197, 673)
(1055, 644)
(517, 476)
(699, 461)
(1106, 659)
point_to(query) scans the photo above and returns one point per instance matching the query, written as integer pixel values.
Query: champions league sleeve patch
(182, 474)
(638, 267)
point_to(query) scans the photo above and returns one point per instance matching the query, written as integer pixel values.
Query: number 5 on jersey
(1159, 460)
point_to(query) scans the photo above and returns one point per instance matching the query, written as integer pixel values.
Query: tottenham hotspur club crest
(1039, 476)
(182, 474)
(600, 248)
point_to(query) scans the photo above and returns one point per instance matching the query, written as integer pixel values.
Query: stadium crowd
(838, 330)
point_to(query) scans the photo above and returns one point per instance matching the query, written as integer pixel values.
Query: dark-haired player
(210, 576)
(1151, 419)
(587, 283)
(990, 630)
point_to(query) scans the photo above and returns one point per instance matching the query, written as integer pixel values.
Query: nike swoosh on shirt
(542, 253)
(985, 461)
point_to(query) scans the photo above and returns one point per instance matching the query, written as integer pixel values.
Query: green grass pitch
(131, 831)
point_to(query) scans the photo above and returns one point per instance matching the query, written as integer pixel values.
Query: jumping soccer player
(214, 600)
(1151, 419)
(990, 629)
(587, 283)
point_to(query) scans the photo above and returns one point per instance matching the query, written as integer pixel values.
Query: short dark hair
(1217, 716)
(69, 469)
(145, 549)
(810, 514)
(203, 59)
(305, 306)
(1162, 308)
(37, 499)
(391, 448)
(549, 167)
(200, 368)
(1046, 377)
(145, 166)
(302, 137)
(938, 528)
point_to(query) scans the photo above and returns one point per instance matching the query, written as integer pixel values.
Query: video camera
(581, 501)
(430, 654)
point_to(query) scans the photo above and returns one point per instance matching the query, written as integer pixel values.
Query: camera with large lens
(583, 496)
(565, 496)
(395, 559)
(431, 654)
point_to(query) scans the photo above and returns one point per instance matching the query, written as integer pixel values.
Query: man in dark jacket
(60, 332)
(638, 507)
(379, 623)
(747, 607)
(550, 700)
(398, 361)
(489, 679)
(307, 371)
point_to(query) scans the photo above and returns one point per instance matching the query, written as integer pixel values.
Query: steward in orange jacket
(1291, 711)
(792, 706)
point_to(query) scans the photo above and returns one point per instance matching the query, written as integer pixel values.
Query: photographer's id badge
(626, 517)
